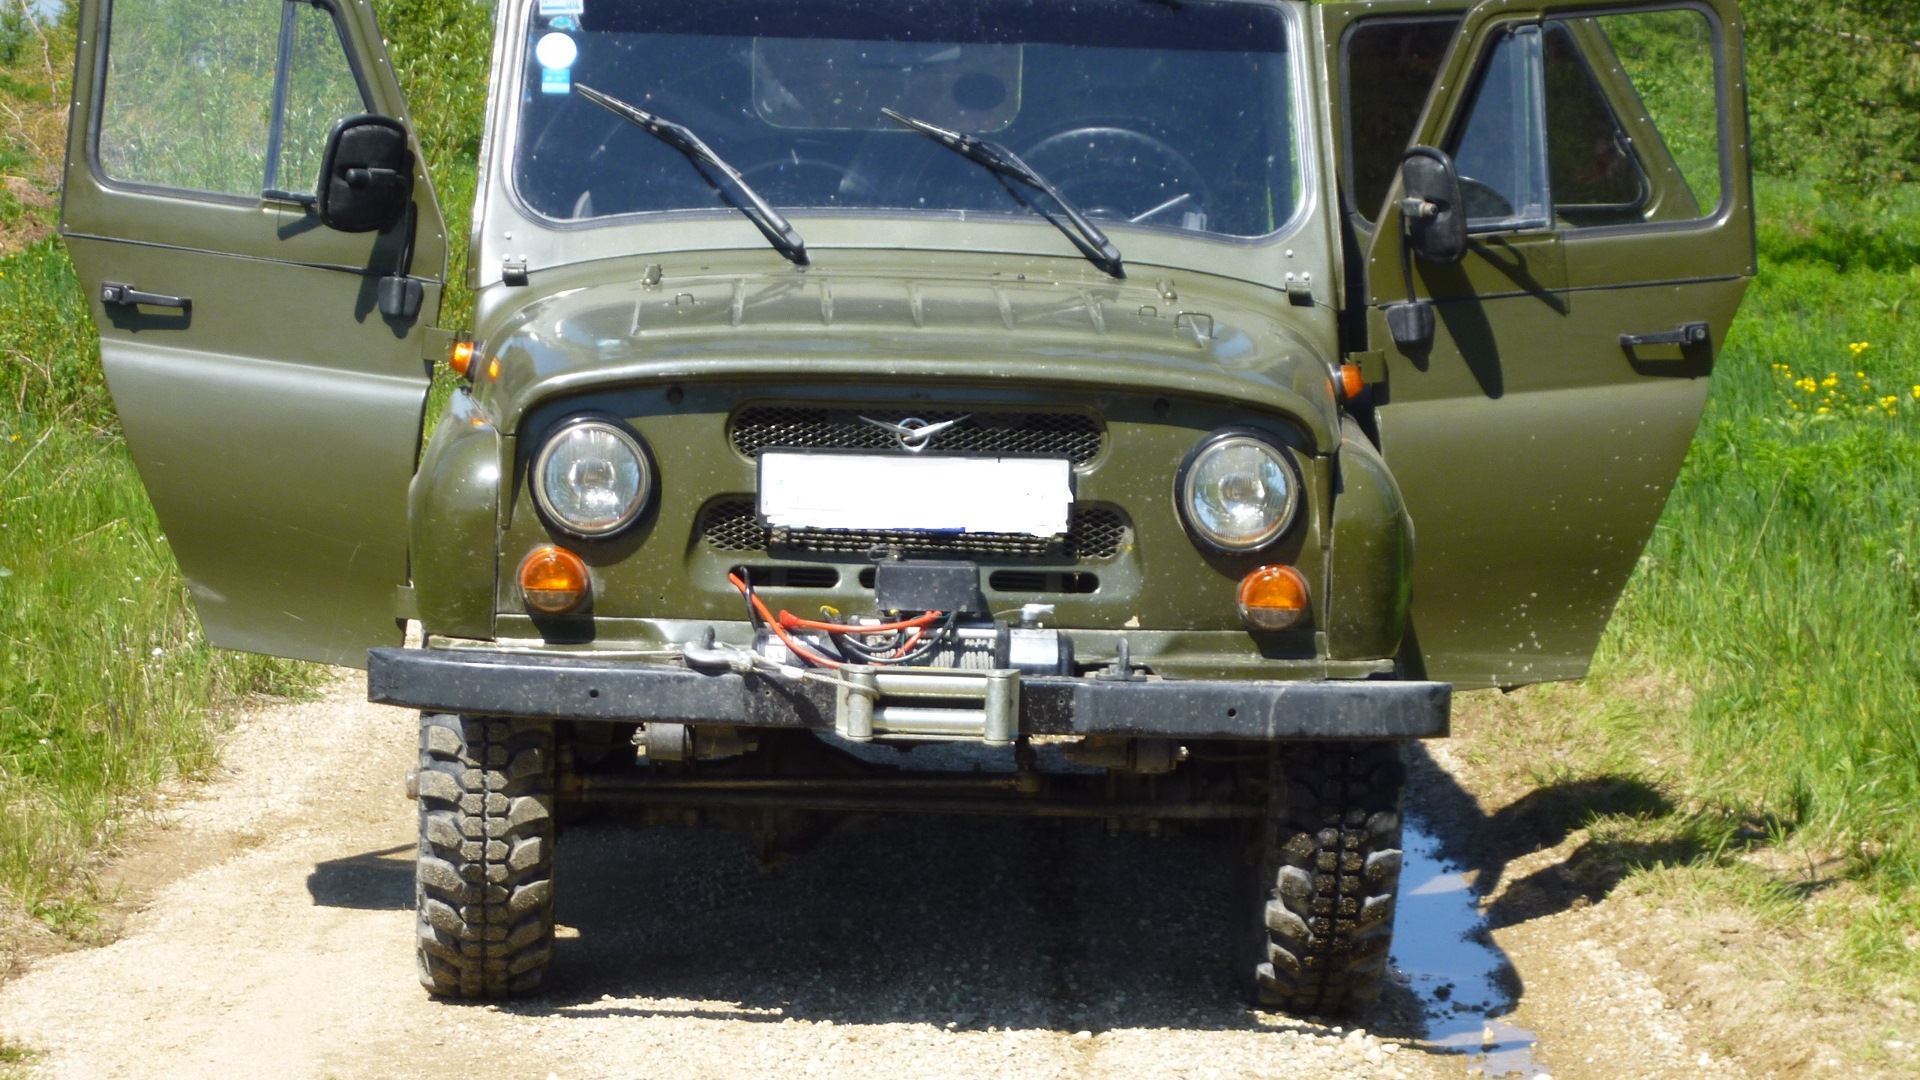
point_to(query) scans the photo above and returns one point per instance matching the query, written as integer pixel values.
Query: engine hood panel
(1195, 337)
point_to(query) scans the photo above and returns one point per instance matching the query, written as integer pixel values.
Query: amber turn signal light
(1273, 598)
(553, 580)
(1352, 382)
(460, 358)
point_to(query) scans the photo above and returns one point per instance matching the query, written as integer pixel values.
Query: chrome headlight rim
(552, 441)
(1183, 491)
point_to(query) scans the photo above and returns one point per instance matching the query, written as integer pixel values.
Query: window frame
(275, 122)
(1709, 217)
(1457, 129)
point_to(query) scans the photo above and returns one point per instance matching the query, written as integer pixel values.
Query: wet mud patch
(1445, 955)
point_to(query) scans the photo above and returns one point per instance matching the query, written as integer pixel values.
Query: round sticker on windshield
(556, 51)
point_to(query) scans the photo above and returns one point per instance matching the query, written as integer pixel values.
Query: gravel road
(272, 936)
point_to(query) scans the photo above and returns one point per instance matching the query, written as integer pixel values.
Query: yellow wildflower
(1916, 393)
(1808, 385)
(1830, 381)
(1822, 409)
(1859, 347)
(1887, 402)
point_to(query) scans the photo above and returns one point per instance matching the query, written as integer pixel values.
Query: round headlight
(1238, 492)
(592, 478)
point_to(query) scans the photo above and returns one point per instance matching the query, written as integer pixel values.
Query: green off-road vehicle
(1168, 401)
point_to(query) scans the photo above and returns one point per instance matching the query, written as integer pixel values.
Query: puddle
(1440, 944)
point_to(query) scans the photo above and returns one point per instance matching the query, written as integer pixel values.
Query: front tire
(1328, 860)
(484, 879)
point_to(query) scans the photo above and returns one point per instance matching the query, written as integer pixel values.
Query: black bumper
(567, 688)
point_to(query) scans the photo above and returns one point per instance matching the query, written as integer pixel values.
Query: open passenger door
(1542, 391)
(267, 367)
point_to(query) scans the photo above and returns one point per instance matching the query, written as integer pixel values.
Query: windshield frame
(516, 26)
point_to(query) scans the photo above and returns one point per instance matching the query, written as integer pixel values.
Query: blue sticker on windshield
(550, 8)
(564, 22)
(556, 81)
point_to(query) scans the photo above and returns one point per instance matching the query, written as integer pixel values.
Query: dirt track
(273, 936)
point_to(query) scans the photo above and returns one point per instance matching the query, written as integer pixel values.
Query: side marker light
(460, 359)
(1273, 598)
(553, 580)
(1352, 382)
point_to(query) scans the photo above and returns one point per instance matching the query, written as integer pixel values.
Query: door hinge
(1372, 364)
(513, 271)
(435, 343)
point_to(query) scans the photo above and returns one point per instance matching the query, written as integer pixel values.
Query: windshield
(1151, 112)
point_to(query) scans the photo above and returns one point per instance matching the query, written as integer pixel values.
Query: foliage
(1835, 88)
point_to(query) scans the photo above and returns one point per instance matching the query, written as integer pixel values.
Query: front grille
(1073, 436)
(1095, 533)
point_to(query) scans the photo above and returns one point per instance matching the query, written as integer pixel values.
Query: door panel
(274, 414)
(1534, 448)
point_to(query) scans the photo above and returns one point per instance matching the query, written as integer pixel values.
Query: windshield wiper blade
(728, 181)
(1006, 165)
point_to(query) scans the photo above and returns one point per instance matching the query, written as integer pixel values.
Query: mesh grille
(1095, 532)
(1044, 434)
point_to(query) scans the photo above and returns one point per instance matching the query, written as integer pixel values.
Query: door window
(1388, 69)
(1501, 150)
(1595, 121)
(228, 97)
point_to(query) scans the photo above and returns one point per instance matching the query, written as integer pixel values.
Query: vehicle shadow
(370, 881)
(967, 923)
(1486, 843)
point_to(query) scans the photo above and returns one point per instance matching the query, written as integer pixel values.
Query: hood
(1185, 335)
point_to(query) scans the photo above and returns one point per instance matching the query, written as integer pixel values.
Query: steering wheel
(1120, 173)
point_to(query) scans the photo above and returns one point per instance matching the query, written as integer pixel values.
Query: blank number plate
(1032, 496)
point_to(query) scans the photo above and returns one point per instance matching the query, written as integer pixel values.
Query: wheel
(484, 880)
(1328, 859)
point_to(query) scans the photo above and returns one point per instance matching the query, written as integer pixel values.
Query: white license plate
(1032, 496)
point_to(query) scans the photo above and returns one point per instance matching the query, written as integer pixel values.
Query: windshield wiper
(725, 178)
(1005, 166)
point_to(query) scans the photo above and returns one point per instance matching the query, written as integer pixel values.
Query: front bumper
(569, 688)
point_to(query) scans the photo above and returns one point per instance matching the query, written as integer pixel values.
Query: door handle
(1693, 333)
(127, 296)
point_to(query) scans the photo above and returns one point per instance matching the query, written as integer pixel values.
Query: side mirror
(1431, 210)
(366, 175)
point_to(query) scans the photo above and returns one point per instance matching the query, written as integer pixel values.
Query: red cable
(803, 653)
(795, 622)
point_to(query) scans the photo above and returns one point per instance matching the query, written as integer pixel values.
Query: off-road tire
(1328, 864)
(484, 880)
